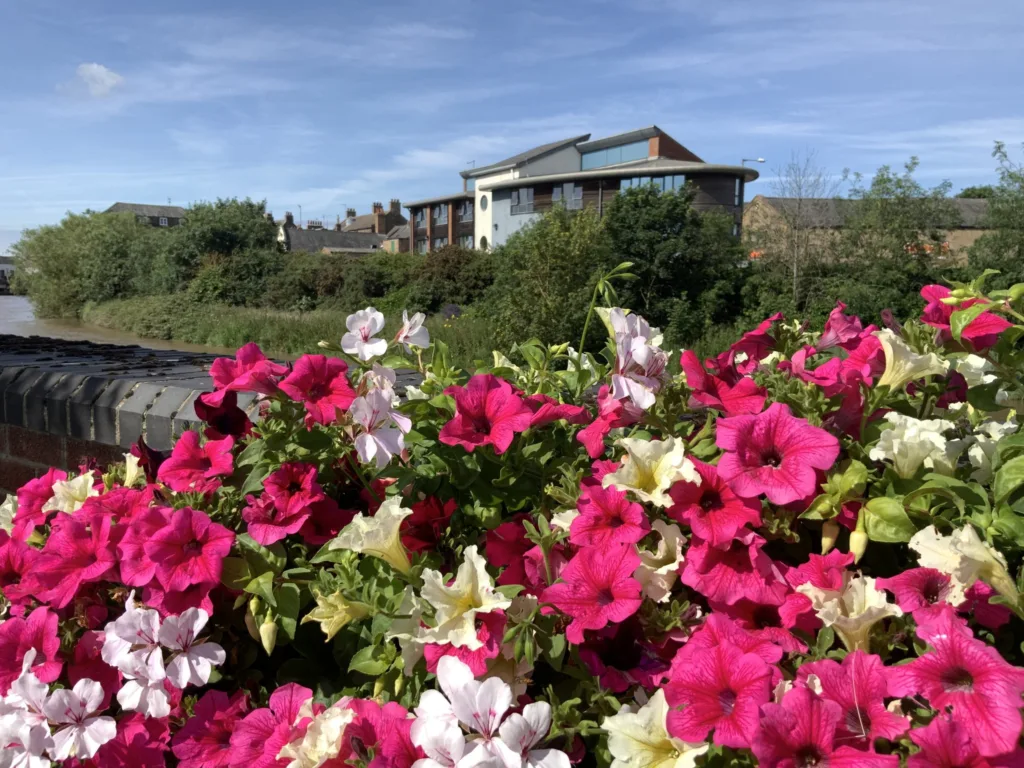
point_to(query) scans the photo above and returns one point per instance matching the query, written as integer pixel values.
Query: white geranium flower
(363, 326)
(964, 557)
(852, 612)
(84, 734)
(195, 658)
(27, 696)
(413, 333)
(903, 365)
(378, 536)
(457, 606)
(143, 689)
(659, 570)
(911, 442)
(70, 495)
(25, 745)
(7, 511)
(975, 369)
(135, 633)
(383, 427)
(651, 467)
(443, 744)
(641, 739)
(520, 733)
(323, 738)
(639, 370)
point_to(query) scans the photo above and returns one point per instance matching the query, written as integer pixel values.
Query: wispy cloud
(92, 80)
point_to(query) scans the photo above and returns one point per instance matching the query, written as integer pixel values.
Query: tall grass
(176, 318)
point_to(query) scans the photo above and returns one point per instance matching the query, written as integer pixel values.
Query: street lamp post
(751, 160)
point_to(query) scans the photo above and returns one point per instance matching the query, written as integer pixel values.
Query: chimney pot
(289, 219)
(378, 207)
(396, 206)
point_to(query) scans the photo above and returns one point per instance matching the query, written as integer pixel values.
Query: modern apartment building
(498, 199)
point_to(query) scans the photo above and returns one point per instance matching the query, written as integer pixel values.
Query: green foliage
(1002, 247)
(983, 191)
(451, 275)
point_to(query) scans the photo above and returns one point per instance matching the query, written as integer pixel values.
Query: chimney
(378, 207)
(350, 213)
(337, 224)
(289, 220)
(396, 207)
(380, 226)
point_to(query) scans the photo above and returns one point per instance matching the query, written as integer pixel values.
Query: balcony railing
(523, 207)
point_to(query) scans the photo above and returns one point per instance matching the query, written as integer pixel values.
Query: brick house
(379, 221)
(154, 215)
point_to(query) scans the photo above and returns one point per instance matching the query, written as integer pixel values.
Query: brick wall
(25, 454)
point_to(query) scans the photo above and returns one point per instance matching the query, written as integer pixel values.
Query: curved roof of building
(657, 167)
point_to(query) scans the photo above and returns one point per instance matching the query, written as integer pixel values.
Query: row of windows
(439, 213)
(569, 193)
(522, 200)
(623, 153)
(466, 241)
(664, 183)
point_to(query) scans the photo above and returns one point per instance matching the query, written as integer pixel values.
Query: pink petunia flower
(17, 636)
(711, 509)
(32, 497)
(611, 414)
(597, 587)
(722, 688)
(841, 330)
(189, 550)
(171, 602)
(921, 589)
(770, 622)
(196, 468)
(971, 677)
(740, 571)
(719, 629)
(744, 356)
(621, 656)
(487, 412)
(988, 614)
(87, 663)
(16, 559)
(326, 520)
(205, 740)
(222, 416)
(825, 572)
(607, 518)
(256, 741)
(120, 504)
(743, 397)
(547, 410)
(137, 569)
(250, 371)
(293, 488)
(505, 547)
(945, 743)
(383, 729)
(858, 686)
(321, 384)
(422, 530)
(774, 453)
(79, 551)
(801, 731)
(140, 740)
(490, 630)
(982, 332)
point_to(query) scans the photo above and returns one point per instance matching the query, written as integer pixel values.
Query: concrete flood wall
(63, 401)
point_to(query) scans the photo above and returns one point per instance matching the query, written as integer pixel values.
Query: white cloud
(96, 80)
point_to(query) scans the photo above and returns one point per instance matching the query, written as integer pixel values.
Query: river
(17, 318)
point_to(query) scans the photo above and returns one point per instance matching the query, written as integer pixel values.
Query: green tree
(686, 262)
(984, 191)
(1002, 247)
(545, 275)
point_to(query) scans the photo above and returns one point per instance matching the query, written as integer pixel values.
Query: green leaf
(960, 319)
(1008, 479)
(288, 604)
(826, 636)
(366, 661)
(553, 647)
(261, 558)
(510, 590)
(983, 397)
(263, 585)
(235, 573)
(885, 520)
(252, 454)
(853, 480)
(254, 481)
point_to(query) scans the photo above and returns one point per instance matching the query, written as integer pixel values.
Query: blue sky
(335, 104)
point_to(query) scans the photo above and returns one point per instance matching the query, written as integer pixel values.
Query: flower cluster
(805, 550)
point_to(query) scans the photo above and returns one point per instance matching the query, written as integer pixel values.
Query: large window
(664, 183)
(440, 213)
(421, 218)
(624, 153)
(466, 241)
(163, 221)
(738, 196)
(439, 242)
(470, 185)
(569, 193)
(421, 245)
(522, 200)
(466, 210)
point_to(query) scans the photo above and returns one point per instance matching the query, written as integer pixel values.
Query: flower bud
(268, 634)
(858, 545)
(829, 534)
(250, 624)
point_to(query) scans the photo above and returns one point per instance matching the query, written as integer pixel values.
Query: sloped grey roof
(401, 232)
(313, 240)
(439, 199)
(363, 221)
(142, 209)
(525, 157)
(830, 213)
(620, 138)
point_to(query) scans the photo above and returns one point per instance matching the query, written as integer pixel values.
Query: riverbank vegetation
(221, 277)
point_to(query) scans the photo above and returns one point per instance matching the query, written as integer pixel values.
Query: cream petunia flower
(908, 443)
(964, 557)
(378, 536)
(7, 512)
(409, 629)
(457, 605)
(659, 570)
(132, 471)
(903, 365)
(322, 740)
(333, 612)
(70, 495)
(853, 611)
(641, 739)
(651, 467)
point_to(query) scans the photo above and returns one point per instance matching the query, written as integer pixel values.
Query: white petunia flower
(409, 631)
(132, 471)
(7, 511)
(70, 495)
(964, 557)
(975, 369)
(853, 611)
(323, 738)
(911, 442)
(658, 570)
(378, 536)
(457, 606)
(903, 365)
(651, 467)
(195, 659)
(641, 739)
(360, 340)
(413, 333)
(84, 734)
(982, 447)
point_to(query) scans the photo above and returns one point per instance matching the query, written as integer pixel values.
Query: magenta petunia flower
(250, 371)
(621, 656)
(266, 523)
(422, 530)
(774, 453)
(742, 397)
(18, 635)
(321, 384)
(197, 468)
(490, 630)
(711, 509)
(801, 731)
(745, 355)
(721, 688)
(824, 572)
(858, 686)
(971, 677)
(988, 614)
(944, 743)
(505, 547)
(597, 587)
(32, 497)
(222, 416)
(547, 410)
(718, 629)
(740, 571)
(841, 330)
(258, 738)
(204, 741)
(384, 730)
(607, 517)
(140, 740)
(487, 412)
(293, 488)
(16, 559)
(770, 622)
(137, 569)
(79, 551)
(326, 519)
(120, 504)
(921, 589)
(982, 332)
(171, 602)
(190, 549)
(87, 662)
